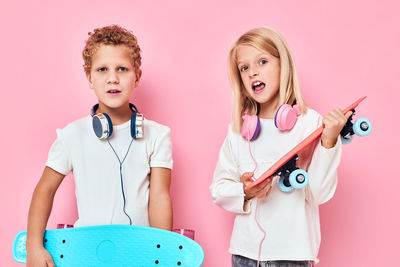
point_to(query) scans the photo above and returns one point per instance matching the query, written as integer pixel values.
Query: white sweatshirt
(291, 220)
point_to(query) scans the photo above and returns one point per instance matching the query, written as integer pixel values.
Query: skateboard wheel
(347, 139)
(284, 184)
(362, 127)
(298, 178)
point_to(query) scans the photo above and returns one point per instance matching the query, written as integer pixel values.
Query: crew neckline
(120, 126)
(262, 119)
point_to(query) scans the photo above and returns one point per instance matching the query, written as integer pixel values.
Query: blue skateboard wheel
(346, 140)
(362, 127)
(284, 186)
(298, 178)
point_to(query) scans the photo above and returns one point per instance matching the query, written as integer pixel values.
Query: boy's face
(112, 76)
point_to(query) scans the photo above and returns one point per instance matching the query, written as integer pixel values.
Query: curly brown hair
(110, 35)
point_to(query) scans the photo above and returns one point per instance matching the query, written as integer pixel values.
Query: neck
(118, 115)
(268, 109)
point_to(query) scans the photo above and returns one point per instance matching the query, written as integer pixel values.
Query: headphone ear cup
(110, 126)
(133, 125)
(250, 127)
(278, 116)
(102, 126)
(286, 117)
(137, 125)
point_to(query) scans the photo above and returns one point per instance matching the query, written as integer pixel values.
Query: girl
(275, 227)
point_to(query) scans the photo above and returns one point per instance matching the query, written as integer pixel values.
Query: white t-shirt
(291, 220)
(96, 169)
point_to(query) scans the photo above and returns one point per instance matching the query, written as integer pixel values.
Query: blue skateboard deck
(115, 245)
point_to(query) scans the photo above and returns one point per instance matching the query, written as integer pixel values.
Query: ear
(89, 78)
(138, 75)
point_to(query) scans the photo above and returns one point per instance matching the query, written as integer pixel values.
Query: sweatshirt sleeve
(226, 188)
(322, 171)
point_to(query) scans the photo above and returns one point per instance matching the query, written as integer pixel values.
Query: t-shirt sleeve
(59, 158)
(162, 152)
(226, 188)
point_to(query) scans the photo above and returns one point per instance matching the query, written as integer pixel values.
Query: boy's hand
(333, 122)
(39, 258)
(39, 212)
(261, 190)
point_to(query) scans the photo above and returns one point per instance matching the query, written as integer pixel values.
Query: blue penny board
(115, 245)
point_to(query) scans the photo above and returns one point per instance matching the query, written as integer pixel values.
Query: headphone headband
(131, 106)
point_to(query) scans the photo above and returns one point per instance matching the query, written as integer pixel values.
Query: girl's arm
(227, 188)
(39, 212)
(326, 158)
(160, 204)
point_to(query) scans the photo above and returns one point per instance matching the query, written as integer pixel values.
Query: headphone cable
(120, 171)
(255, 212)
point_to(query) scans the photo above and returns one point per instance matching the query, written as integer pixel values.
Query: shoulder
(307, 123)
(232, 136)
(311, 117)
(155, 129)
(76, 127)
(231, 132)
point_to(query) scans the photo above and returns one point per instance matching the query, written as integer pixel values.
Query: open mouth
(113, 91)
(257, 87)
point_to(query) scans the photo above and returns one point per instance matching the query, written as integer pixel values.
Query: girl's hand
(333, 124)
(39, 258)
(262, 190)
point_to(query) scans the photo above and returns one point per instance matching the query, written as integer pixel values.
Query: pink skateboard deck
(297, 149)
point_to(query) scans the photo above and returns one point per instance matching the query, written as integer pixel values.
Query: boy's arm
(39, 211)
(160, 204)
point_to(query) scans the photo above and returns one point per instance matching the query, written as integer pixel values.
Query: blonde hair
(263, 39)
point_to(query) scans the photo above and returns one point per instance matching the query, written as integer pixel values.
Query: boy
(120, 180)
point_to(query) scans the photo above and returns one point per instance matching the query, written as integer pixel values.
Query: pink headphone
(285, 119)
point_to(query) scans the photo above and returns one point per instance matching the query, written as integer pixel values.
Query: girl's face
(260, 73)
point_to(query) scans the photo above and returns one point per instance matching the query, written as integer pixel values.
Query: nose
(112, 77)
(253, 71)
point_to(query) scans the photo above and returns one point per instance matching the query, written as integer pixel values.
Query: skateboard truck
(360, 127)
(186, 232)
(290, 176)
(63, 226)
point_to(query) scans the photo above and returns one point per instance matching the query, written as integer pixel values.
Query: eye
(263, 61)
(243, 68)
(122, 69)
(102, 69)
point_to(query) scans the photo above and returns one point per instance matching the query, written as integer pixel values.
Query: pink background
(343, 50)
